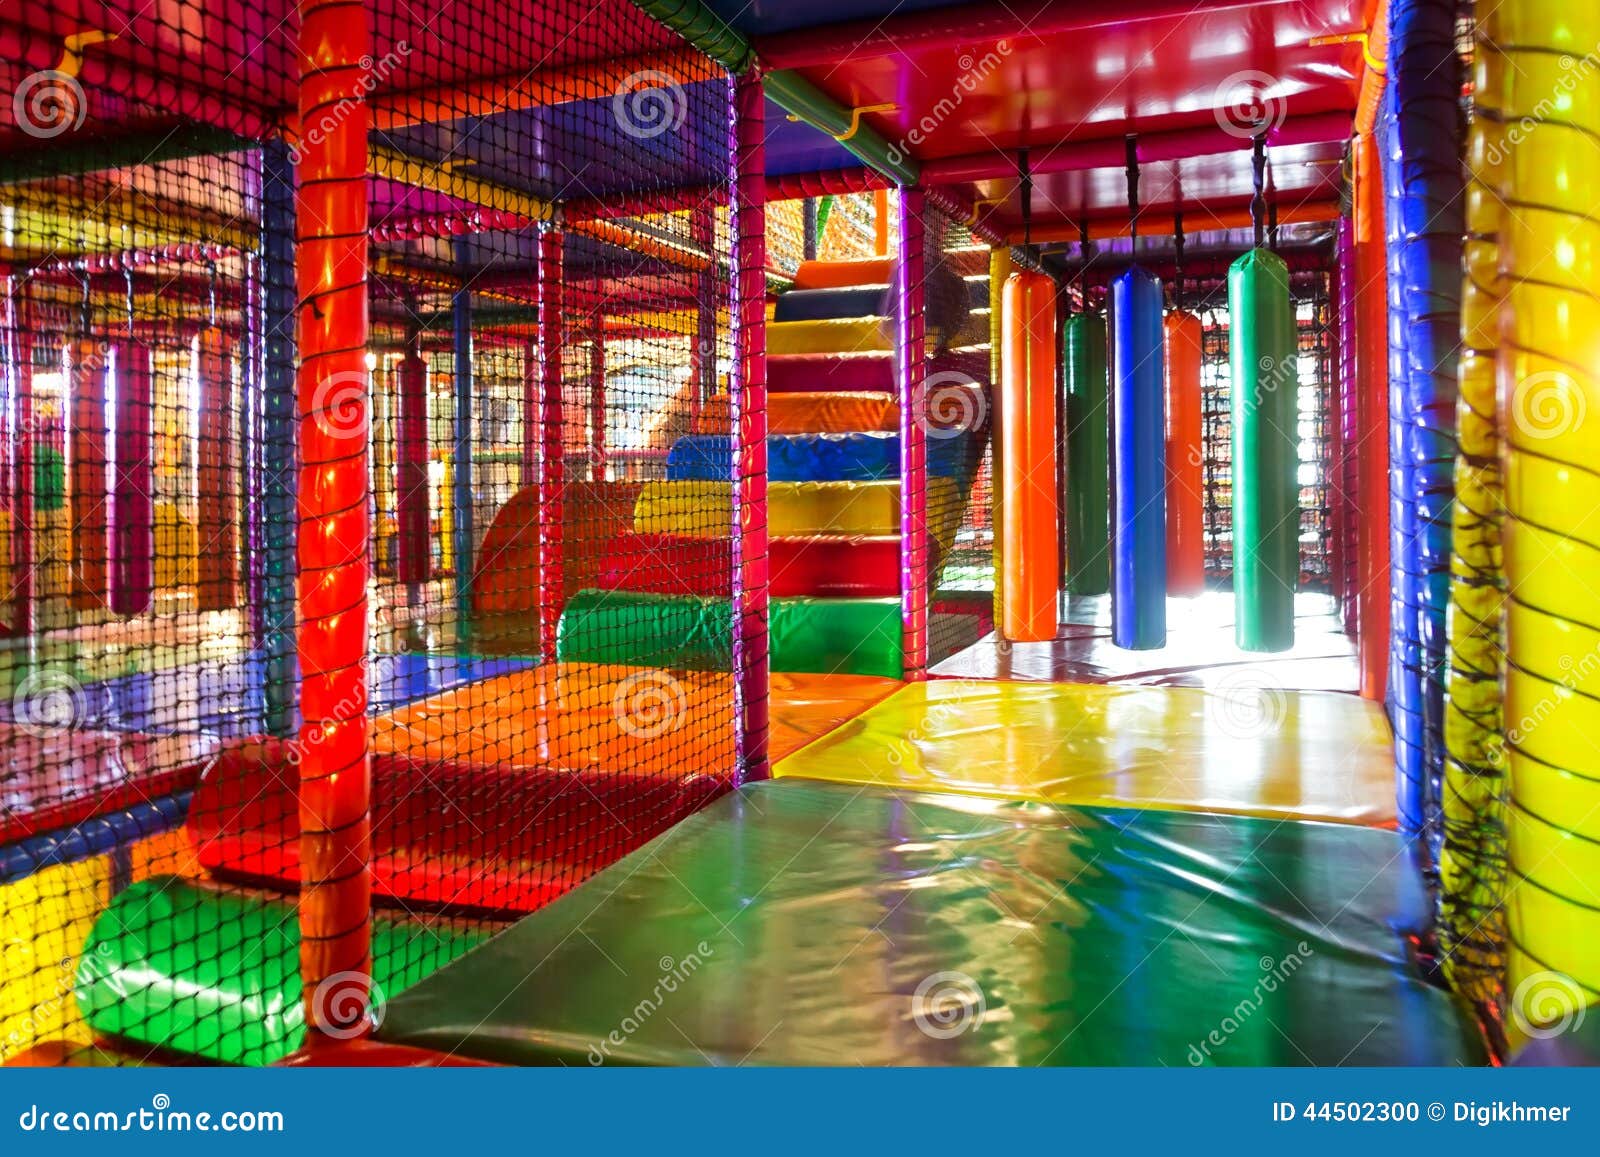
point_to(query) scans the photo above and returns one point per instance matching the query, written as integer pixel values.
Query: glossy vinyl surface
(813, 924)
(1246, 749)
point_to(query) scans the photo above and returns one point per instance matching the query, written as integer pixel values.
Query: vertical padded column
(279, 474)
(552, 439)
(335, 526)
(463, 475)
(748, 228)
(1139, 508)
(1186, 509)
(1032, 531)
(133, 513)
(414, 553)
(89, 506)
(912, 368)
(1372, 441)
(1088, 456)
(217, 528)
(1549, 411)
(1266, 505)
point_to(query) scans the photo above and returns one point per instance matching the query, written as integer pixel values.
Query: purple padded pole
(748, 390)
(911, 369)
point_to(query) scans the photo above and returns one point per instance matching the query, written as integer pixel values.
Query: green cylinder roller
(216, 974)
(1088, 479)
(683, 632)
(1266, 507)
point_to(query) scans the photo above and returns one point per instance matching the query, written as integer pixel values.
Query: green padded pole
(1088, 477)
(708, 32)
(808, 102)
(1266, 507)
(704, 29)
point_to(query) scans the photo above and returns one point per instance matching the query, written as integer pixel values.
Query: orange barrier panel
(1032, 533)
(1186, 541)
(808, 413)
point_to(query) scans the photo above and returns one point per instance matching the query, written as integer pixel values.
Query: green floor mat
(806, 923)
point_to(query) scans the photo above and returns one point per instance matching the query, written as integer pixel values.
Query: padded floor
(1242, 750)
(580, 715)
(1199, 653)
(807, 923)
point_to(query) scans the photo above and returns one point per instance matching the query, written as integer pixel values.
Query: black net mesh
(540, 408)
(1309, 292)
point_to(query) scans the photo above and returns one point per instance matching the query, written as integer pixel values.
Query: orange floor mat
(583, 715)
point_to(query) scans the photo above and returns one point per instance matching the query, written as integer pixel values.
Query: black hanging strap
(1177, 250)
(1258, 203)
(1025, 192)
(1131, 155)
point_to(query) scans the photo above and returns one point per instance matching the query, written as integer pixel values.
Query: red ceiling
(1157, 75)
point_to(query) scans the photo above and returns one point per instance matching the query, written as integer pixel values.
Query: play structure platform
(803, 923)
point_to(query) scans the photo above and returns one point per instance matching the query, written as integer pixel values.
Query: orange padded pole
(1031, 535)
(1186, 536)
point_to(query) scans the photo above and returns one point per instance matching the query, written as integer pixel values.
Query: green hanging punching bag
(1266, 507)
(1088, 481)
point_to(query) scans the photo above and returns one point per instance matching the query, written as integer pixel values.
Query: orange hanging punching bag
(1031, 531)
(1186, 549)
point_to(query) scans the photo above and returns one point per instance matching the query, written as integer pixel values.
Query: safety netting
(1315, 370)
(373, 417)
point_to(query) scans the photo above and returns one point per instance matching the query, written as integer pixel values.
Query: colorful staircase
(661, 592)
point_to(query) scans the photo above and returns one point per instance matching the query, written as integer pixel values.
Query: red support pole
(133, 504)
(217, 525)
(531, 393)
(597, 404)
(20, 437)
(334, 530)
(1186, 516)
(748, 389)
(552, 441)
(89, 508)
(1333, 415)
(1372, 444)
(414, 553)
(911, 370)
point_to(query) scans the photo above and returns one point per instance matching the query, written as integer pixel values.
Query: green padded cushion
(693, 632)
(795, 922)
